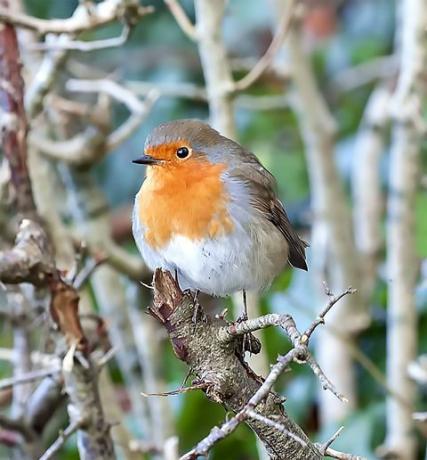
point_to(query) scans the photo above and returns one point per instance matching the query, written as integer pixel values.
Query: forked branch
(212, 349)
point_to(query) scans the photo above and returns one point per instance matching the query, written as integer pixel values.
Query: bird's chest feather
(189, 200)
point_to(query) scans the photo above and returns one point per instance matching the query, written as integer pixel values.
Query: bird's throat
(190, 200)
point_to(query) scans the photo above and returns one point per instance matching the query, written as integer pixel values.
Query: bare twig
(182, 19)
(275, 45)
(332, 439)
(76, 45)
(341, 455)
(83, 276)
(321, 318)
(62, 438)
(45, 76)
(199, 386)
(298, 340)
(380, 68)
(198, 93)
(137, 108)
(92, 144)
(100, 14)
(29, 377)
(274, 319)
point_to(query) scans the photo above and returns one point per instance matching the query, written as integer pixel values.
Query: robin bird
(208, 211)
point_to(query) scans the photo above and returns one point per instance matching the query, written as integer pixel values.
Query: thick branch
(402, 260)
(85, 409)
(13, 124)
(29, 261)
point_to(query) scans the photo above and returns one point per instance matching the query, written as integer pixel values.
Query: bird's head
(187, 143)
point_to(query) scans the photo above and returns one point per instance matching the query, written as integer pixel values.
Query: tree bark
(229, 381)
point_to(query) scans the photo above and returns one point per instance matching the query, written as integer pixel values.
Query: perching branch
(212, 350)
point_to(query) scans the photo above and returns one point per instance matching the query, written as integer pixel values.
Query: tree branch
(267, 59)
(62, 438)
(212, 350)
(13, 122)
(182, 19)
(99, 14)
(85, 46)
(402, 261)
(29, 260)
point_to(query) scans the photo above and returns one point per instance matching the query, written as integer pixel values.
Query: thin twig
(63, 436)
(29, 377)
(342, 455)
(332, 439)
(326, 450)
(78, 45)
(198, 386)
(138, 109)
(275, 45)
(182, 19)
(101, 14)
(85, 273)
(321, 318)
(324, 381)
(107, 357)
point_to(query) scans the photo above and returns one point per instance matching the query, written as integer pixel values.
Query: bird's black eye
(182, 152)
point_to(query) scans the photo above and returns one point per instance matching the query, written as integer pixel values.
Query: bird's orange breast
(188, 199)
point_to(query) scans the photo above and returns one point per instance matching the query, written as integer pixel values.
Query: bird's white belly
(248, 258)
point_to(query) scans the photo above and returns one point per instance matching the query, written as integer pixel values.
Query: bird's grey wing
(262, 187)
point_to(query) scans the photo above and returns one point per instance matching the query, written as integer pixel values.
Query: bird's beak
(147, 160)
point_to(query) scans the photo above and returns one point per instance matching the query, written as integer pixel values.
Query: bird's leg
(247, 339)
(244, 315)
(245, 306)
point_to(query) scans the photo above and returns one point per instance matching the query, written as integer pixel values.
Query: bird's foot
(242, 317)
(249, 342)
